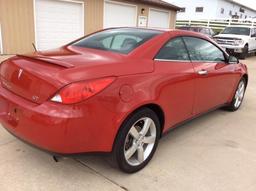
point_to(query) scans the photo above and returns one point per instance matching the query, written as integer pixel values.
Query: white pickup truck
(238, 40)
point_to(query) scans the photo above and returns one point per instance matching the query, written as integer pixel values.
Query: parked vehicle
(117, 91)
(239, 40)
(201, 29)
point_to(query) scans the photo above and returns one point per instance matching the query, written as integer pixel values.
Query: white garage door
(119, 15)
(158, 19)
(57, 22)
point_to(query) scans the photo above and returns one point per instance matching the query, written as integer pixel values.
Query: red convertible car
(117, 91)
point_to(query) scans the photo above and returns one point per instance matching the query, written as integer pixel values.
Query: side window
(211, 32)
(120, 42)
(205, 31)
(208, 31)
(202, 50)
(173, 50)
(253, 33)
(107, 42)
(124, 42)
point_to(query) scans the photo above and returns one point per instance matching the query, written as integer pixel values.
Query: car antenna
(34, 46)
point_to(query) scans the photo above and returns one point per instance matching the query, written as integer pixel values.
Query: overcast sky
(250, 3)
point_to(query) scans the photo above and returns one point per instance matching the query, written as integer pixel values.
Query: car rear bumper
(56, 128)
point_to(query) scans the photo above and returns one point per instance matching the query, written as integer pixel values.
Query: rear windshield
(122, 40)
(237, 31)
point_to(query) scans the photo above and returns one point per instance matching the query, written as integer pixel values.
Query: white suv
(238, 40)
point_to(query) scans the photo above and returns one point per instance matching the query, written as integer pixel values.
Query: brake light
(79, 91)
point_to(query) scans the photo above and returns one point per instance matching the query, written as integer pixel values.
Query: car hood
(233, 36)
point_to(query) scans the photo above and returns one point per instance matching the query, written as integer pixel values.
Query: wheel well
(245, 76)
(158, 111)
(154, 107)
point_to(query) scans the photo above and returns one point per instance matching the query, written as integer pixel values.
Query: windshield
(236, 30)
(122, 40)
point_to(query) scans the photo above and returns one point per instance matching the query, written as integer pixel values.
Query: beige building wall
(173, 19)
(17, 22)
(94, 10)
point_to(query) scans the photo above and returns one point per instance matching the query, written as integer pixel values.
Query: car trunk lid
(38, 77)
(32, 78)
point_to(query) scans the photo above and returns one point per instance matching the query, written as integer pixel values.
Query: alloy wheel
(239, 94)
(140, 141)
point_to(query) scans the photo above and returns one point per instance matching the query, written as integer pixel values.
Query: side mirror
(233, 60)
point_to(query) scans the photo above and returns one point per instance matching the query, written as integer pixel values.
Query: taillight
(79, 91)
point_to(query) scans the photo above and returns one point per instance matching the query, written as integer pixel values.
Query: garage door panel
(57, 23)
(159, 19)
(119, 15)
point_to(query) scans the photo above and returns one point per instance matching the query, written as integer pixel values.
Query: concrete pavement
(215, 152)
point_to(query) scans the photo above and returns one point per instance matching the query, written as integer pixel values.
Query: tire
(245, 52)
(130, 152)
(238, 97)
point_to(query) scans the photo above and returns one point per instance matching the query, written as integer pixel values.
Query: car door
(175, 70)
(252, 40)
(215, 79)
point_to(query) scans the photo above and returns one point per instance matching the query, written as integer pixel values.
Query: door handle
(202, 72)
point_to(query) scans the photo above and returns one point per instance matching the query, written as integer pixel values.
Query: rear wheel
(238, 97)
(244, 54)
(137, 141)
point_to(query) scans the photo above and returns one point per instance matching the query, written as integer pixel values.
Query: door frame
(71, 1)
(119, 3)
(160, 10)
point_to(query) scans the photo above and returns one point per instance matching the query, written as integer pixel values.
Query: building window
(199, 9)
(183, 10)
(245, 16)
(241, 16)
(241, 10)
(230, 13)
(222, 10)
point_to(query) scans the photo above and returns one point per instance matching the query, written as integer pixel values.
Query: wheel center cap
(140, 140)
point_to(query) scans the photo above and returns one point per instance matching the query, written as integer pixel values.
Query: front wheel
(244, 54)
(238, 97)
(137, 141)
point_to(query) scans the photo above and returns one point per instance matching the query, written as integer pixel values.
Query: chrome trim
(166, 60)
(193, 61)
(208, 61)
(202, 72)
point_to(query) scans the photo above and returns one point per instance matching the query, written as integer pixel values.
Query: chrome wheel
(239, 96)
(140, 141)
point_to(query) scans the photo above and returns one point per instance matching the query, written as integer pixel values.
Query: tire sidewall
(233, 108)
(245, 52)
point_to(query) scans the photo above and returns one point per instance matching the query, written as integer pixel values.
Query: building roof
(235, 2)
(158, 3)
